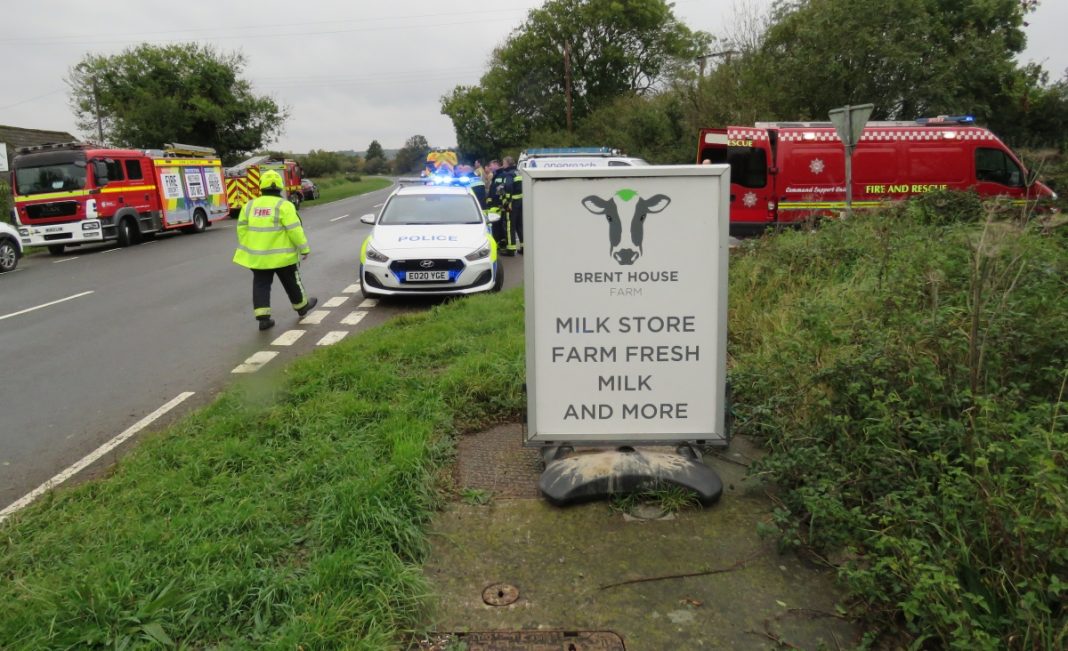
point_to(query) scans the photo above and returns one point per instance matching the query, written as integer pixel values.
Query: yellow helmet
(271, 179)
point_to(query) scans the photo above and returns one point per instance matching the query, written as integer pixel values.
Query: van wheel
(56, 249)
(127, 232)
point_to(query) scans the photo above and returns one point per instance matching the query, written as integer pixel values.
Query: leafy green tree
(319, 162)
(591, 51)
(149, 95)
(412, 156)
(374, 150)
(909, 58)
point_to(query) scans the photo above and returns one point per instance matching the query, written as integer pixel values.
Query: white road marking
(332, 337)
(354, 318)
(338, 218)
(31, 309)
(351, 289)
(111, 250)
(92, 457)
(315, 318)
(65, 260)
(147, 242)
(337, 301)
(256, 362)
(288, 338)
(368, 302)
(378, 205)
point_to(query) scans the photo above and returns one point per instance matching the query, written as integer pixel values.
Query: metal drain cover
(527, 641)
(500, 594)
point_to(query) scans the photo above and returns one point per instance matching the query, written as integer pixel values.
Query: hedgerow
(907, 371)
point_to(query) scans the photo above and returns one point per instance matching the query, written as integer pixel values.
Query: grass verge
(288, 514)
(341, 187)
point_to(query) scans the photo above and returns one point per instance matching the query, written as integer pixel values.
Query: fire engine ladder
(178, 149)
(242, 167)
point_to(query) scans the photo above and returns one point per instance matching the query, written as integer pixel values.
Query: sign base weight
(572, 476)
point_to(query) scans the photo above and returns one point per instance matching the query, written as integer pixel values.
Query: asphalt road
(164, 317)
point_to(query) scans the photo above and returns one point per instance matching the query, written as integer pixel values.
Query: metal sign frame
(592, 369)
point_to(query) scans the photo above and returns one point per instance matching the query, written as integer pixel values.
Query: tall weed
(907, 370)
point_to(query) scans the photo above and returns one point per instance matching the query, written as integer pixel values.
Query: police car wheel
(9, 255)
(498, 282)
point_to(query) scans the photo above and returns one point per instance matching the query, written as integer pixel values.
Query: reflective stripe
(262, 311)
(268, 229)
(244, 248)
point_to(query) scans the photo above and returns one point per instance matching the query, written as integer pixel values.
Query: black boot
(308, 308)
(266, 322)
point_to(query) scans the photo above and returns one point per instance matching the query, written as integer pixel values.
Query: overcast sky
(349, 72)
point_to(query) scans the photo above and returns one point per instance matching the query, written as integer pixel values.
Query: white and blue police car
(429, 240)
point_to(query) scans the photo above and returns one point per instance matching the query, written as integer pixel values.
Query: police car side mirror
(368, 219)
(492, 217)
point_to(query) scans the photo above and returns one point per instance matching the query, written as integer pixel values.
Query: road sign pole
(849, 122)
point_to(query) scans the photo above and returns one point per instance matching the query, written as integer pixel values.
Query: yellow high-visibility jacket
(269, 234)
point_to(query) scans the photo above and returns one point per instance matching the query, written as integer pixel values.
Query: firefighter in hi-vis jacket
(501, 189)
(270, 240)
(513, 199)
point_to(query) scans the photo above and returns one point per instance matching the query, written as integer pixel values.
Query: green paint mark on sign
(626, 194)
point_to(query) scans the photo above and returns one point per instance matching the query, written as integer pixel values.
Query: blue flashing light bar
(947, 119)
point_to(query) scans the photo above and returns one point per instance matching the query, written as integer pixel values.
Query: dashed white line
(31, 309)
(338, 218)
(256, 362)
(288, 338)
(378, 205)
(368, 302)
(332, 337)
(66, 259)
(351, 289)
(92, 457)
(337, 301)
(110, 250)
(354, 318)
(315, 318)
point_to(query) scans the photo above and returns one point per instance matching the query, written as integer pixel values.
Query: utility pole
(99, 119)
(567, 83)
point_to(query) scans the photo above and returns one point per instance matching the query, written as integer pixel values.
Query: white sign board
(3, 158)
(626, 303)
(172, 184)
(195, 182)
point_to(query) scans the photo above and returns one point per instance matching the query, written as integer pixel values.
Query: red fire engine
(243, 180)
(78, 193)
(787, 172)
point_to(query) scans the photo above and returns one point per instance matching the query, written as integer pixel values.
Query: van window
(133, 170)
(749, 166)
(995, 166)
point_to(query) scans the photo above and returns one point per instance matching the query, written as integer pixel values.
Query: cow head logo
(626, 212)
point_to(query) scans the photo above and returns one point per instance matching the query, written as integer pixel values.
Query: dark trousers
(517, 222)
(261, 288)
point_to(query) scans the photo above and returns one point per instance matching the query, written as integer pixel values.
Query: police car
(10, 248)
(576, 158)
(429, 240)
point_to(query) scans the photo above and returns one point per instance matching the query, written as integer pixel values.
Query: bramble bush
(907, 371)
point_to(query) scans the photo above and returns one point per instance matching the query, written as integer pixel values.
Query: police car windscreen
(431, 209)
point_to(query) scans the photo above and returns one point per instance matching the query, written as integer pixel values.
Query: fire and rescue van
(79, 193)
(788, 172)
(243, 180)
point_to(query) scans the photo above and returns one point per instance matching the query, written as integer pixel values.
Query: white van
(576, 158)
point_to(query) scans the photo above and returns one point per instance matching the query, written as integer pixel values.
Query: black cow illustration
(625, 212)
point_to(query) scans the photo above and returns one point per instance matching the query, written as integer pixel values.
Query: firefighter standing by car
(504, 188)
(495, 204)
(270, 239)
(513, 199)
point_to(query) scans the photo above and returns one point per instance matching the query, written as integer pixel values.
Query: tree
(909, 58)
(150, 95)
(375, 161)
(587, 51)
(412, 156)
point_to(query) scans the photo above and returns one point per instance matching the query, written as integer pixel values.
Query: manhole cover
(527, 641)
(500, 594)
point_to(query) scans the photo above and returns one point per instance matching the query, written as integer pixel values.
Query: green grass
(340, 187)
(288, 514)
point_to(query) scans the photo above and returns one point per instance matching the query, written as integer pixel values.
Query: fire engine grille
(52, 209)
(426, 264)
